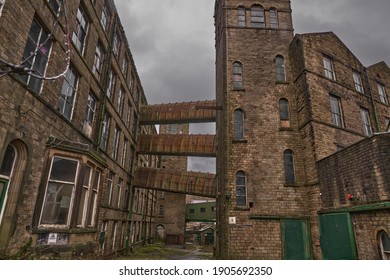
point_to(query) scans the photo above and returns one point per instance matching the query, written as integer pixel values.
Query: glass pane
(81, 206)
(8, 161)
(63, 170)
(241, 200)
(3, 189)
(385, 242)
(57, 203)
(87, 176)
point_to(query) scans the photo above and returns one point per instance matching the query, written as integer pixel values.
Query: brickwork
(33, 124)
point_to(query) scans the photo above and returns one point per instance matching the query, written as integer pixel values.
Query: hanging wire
(7, 68)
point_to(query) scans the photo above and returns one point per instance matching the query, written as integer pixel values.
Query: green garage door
(337, 237)
(296, 239)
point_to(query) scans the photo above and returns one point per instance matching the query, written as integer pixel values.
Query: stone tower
(261, 179)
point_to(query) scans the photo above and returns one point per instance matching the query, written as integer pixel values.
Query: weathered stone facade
(296, 111)
(86, 122)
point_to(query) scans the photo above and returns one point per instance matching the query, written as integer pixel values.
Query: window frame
(71, 199)
(64, 100)
(337, 116)
(289, 167)
(239, 124)
(382, 94)
(238, 72)
(79, 35)
(366, 121)
(98, 60)
(329, 67)
(41, 43)
(284, 110)
(273, 18)
(257, 16)
(280, 69)
(241, 16)
(357, 79)
(241, 174)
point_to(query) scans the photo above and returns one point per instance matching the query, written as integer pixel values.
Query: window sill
(286, 129)
(239, 141)
(291, 185)
(63, 230)
(282, 83)
(238, 89)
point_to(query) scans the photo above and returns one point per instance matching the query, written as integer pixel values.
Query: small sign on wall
(232, 220)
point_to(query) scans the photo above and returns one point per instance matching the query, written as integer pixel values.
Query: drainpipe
(376, 119)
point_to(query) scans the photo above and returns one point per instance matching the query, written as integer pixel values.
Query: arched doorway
(160, 232)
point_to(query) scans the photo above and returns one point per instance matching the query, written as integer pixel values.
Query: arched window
(237, 75)
(5, 175)
(384, 244)
(283, 110)
(240, 188)
(273, 18)
(241, 19)
(257, 16)
(280, 69)
(289, 168)
(238, 124)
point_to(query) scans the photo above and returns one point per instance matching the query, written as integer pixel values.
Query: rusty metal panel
(185, 112)
(177, 144)
(171, 180)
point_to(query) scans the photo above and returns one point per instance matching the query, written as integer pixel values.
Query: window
(237, 76)
(114, 234)
(53, 4)
(367, 129)
(202, 210)
(289, 169)
(80, 34)
(109, 188)
(238, 124)
(36, 55)
(116, 195)
(328, 68)
(384, 245)
(92, 212)
(105, 131)
(161, 211)
(115, 144)
(283, 110)
(102, 238)
(116, 45)
(382, 94)
(124, 152)
(280, 69)
(120, 102)
(68, 94)
(104, 20)
(358, 82)
(135, 125)
(128, 115)
(111, 85)
(91, 108)
(125, 203)
(59, 193)
(98, 62)
(85, 193)
(387, 124)
(257, 16)
(125, 66)
(192, 211)
(6, 169)
(335, 109)
(273, 18)
(240, 188)
(241, 21)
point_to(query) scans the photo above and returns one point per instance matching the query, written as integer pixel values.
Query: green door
(296, 239)
(337, 237)
(3, 192)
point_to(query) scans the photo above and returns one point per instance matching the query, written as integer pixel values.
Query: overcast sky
(172, 42)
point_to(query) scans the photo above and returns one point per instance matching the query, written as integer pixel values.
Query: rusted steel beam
(185, 112)
(202, 145)
(171, 180)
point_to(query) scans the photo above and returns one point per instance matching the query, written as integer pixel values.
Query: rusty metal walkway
(177, 144)
(170, 180)
(185, 112)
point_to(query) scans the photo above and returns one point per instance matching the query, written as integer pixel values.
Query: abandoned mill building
(302, 142)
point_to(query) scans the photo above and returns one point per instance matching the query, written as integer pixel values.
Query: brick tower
(261, 179)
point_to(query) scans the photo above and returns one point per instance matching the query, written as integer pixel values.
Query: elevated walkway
(185, 112)
(171, 180)
(178, 144)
